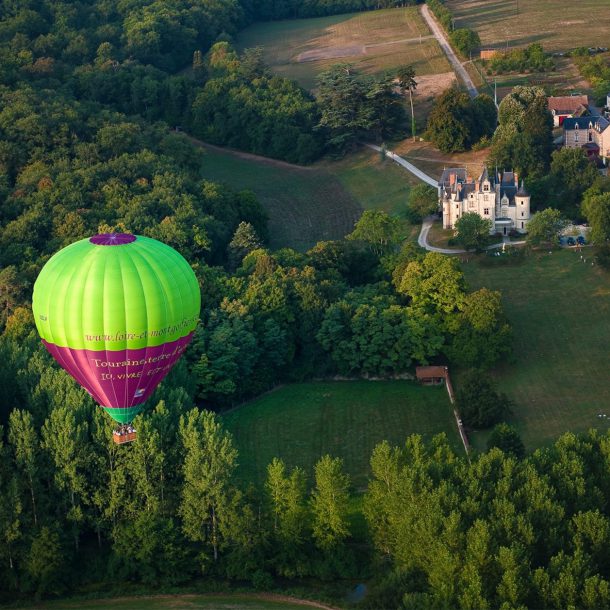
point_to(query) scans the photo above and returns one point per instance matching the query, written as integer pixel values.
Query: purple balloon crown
(112, 239)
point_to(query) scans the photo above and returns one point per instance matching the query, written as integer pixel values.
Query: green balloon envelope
(117, 311)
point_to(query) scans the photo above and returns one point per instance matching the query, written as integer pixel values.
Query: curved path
(451, 56)
(422, 240)
(408, 166)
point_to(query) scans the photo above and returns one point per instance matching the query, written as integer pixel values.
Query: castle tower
(522, 204)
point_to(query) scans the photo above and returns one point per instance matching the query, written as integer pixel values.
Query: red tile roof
(567, 104)
(427, 372)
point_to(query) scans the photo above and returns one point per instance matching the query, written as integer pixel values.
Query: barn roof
(427, 372)
(567, 104)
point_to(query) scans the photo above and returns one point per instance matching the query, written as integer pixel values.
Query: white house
(501, 200)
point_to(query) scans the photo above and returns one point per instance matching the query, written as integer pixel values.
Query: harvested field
(373, 41)
(522, 22)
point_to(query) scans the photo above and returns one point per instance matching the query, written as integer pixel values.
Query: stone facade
(591, 133)
(501, 200)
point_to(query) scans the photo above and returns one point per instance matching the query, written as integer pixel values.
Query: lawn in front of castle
(559, 308)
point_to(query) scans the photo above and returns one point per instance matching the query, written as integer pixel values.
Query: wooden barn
(431, 375)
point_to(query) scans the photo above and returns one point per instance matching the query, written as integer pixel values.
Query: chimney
(451, 178)
(516, 180)
(477, 186)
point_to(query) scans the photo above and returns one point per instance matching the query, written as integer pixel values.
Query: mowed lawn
(374, 41)
(559, 25)
(302, 422)
(179, 602)
(320, 202)
(559, 308)
(375, 183)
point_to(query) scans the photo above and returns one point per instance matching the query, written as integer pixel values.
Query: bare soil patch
(330, 53)
(432, 161)
(434, 84)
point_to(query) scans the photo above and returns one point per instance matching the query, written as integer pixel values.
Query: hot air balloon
(117, 311)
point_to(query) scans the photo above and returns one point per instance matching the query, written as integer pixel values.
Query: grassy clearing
(305, 205)
(320, 202)
(559, 308)
(300, 423)
(376, 183)
(373, 41)
(439, 237)
(182, 602)
(559, 25)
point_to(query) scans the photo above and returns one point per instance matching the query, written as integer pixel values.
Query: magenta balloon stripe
(119, 379)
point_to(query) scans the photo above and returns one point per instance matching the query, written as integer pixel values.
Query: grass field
(559, 308)
(180, 602)
(559, 25)
(376, 184)
(300, 423)
(320, 202)
(373, 41)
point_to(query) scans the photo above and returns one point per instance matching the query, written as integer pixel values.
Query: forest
(89, 94)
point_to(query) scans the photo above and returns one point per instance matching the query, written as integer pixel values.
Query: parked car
(580, 240)
(571, 241)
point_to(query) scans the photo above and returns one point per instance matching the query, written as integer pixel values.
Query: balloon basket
(120, 437)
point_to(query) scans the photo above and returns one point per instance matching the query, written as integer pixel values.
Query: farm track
(446, 47)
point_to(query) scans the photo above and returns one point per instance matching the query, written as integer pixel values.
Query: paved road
(451, 56)
(408, 166)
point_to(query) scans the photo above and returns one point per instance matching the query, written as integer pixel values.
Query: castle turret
(522, 203)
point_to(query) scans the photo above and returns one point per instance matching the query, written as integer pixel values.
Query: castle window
(522, 225)
(522, 213)
(486, 187)
(486, 211)
(590, 137)
(485, 197)
(575, 136)
(472, 203)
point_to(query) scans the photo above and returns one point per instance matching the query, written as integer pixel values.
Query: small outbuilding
(431, 375)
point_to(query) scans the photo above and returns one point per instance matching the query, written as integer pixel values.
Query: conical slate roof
(522, 192)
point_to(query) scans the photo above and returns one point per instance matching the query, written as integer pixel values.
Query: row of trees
(77, 509)
(295, 9)
(531, 59)
(492, 531)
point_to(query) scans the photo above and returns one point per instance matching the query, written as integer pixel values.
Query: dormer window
(486, 186)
